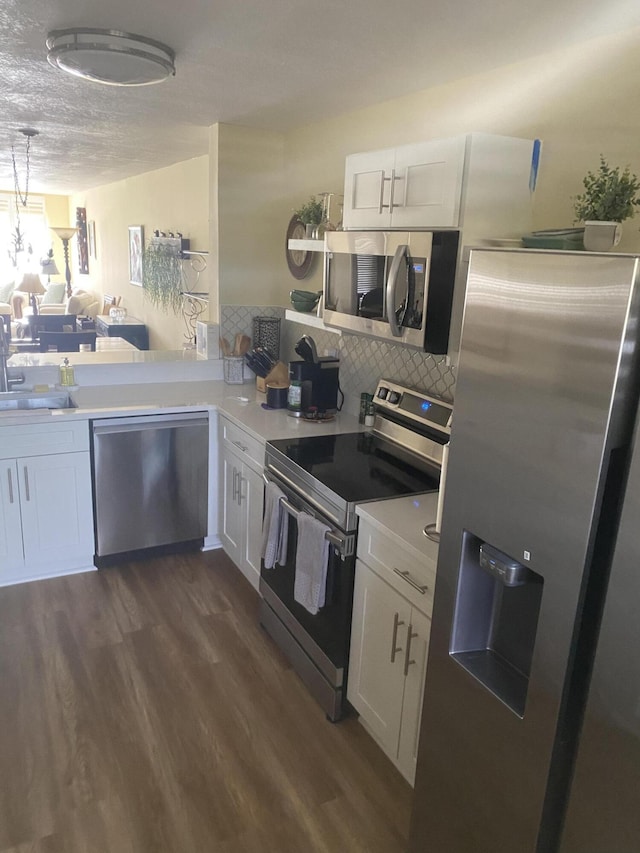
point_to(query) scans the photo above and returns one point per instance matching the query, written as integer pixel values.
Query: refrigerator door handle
(411, 634)
(392, 285)
(397, 621)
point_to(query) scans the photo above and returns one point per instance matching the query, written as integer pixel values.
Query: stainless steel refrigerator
(526, 745)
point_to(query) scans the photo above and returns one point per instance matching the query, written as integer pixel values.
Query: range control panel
(413, 404)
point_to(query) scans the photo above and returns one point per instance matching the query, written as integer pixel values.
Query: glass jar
(294, 397)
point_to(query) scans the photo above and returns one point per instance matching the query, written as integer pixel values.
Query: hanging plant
(162, 276)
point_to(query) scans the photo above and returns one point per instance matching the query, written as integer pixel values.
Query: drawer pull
(407, 655)
(242, 447)
(10, 479)
(396, 624)
(407, 577)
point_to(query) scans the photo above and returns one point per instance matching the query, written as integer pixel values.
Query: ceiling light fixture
(110, 56)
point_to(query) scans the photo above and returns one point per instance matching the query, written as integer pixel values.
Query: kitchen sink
(11, 401)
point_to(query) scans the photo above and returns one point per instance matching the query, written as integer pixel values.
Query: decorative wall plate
(298, 261)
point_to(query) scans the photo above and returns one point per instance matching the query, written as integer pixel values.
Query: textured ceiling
(269, 63)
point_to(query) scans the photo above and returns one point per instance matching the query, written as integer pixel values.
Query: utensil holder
(233, 369)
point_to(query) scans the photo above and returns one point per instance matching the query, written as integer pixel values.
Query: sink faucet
(6, 381)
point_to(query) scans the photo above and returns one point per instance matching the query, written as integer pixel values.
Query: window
(34, 230)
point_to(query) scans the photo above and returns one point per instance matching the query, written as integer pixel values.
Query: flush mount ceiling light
(110, 56)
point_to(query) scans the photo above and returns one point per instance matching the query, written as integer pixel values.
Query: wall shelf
(309, 319)
(306, 245)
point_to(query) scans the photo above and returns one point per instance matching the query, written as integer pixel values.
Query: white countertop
(106, 356)
(403, 521)
(241, 403)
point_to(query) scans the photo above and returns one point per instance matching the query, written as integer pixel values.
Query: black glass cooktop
(358, 466)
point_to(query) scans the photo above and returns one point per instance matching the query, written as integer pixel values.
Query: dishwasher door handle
(138, 424)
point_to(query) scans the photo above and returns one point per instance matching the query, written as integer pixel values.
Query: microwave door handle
(392, 286)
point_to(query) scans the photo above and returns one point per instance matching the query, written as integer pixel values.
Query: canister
(277, 395)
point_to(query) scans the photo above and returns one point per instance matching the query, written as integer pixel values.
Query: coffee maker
(317, 379)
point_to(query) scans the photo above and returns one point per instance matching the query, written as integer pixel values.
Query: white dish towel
(312, 555)
(275, 527)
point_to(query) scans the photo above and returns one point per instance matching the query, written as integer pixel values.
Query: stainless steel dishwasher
(150, 481)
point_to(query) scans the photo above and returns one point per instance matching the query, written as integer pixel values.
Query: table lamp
(48, 267)
(65, 234)
(32, 285)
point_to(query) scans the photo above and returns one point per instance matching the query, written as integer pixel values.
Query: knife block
(278, 374)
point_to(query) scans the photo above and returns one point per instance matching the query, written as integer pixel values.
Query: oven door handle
(343, 542)
(322, 510)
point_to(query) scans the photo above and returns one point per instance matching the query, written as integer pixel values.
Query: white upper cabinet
(413, 186)
(476, 181)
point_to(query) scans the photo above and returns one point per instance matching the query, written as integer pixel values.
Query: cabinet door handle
(241, 480)
(407, 655)
(234, 496)
(26, 483)
(407, 577)
(394, 178)
(10, 479)
(383, 178)
(397, 621)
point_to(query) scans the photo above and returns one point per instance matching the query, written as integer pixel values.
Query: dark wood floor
(142, 708)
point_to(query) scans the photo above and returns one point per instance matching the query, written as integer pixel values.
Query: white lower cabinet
(241, 499)
(389, 644)
(46, 513)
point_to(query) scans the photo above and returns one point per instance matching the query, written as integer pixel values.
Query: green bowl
(304, 300)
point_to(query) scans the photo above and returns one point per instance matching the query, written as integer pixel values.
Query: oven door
(317, 645)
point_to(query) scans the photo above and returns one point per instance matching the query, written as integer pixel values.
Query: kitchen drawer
(42, 439)
(236, 439)
(388, 559)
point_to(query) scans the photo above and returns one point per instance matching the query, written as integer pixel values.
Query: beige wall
(172, 199)
(247, 193)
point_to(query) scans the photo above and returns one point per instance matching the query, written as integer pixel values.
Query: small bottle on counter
(67, 374)
(365, 399)
(370, 414)
(294, 396)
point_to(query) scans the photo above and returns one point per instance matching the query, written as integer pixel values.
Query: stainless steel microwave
(393, 285)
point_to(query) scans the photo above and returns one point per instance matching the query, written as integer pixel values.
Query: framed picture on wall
(136, 248)
(91, 233)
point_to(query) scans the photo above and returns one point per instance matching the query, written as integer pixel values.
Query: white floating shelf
(309, 319)
(306, 245)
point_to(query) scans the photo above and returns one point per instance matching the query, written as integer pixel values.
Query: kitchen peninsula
(149, 384)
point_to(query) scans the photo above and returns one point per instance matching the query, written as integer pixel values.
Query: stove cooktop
(357, 466)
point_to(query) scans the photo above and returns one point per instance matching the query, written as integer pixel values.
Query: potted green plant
(311, 214)
(610, 196)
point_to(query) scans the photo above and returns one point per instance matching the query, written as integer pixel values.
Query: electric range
(327, 476)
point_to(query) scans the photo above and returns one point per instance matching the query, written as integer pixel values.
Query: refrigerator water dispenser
(495, 622)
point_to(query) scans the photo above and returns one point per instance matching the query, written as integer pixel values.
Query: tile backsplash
(363, 361)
